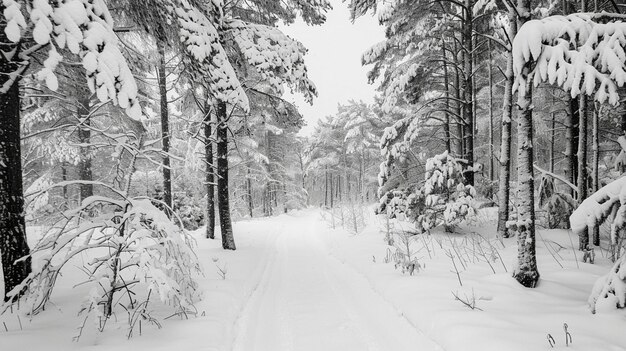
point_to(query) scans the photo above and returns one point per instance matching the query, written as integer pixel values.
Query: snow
(578, 52)
(296, 284)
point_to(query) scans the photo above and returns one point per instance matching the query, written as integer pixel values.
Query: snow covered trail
(308, 300)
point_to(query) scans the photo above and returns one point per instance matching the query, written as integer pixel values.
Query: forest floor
(294, 283)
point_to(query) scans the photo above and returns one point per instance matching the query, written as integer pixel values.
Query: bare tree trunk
(249, 193)
(595, 161)
(209, 176)
(459, 105)
(491, 141)
(223, 200)
(468, 91)
(582, 150)
(582, 164)
(84, 139)
(446, 122)
(13, 244)
(552, 136)
(526, 272)
(165, 132)
(504, 191)
(571, 134)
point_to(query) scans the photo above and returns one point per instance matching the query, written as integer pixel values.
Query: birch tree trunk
(504, 191)
(84, 139)
(223, 200)
(526, 272)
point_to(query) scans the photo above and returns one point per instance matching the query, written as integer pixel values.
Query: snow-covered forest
(157, 190)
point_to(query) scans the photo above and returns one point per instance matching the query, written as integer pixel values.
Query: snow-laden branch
(582, 53)
(84, 28)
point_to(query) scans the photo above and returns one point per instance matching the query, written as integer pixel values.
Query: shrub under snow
(443, 199)
(131, 254)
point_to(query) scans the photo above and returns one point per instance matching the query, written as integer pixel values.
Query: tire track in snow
(308, 300)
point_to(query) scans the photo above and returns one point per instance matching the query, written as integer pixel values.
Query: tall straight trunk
(594, 163)
(165, 129)
(209, 177)
(13, 245)
(582, 150)
(459, 105)
(84, 139)
(491, 141)
(468, 91)
(326, 187)
(571, 135)
(526, 272)
(332, 194)
(504, 190)
(552, 135)
(66, 200)
(446, 120)
(249, 193)
(223, 200)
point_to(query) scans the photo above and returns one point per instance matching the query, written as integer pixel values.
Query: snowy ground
(296, 284)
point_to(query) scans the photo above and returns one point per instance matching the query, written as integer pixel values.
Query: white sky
(334, 61)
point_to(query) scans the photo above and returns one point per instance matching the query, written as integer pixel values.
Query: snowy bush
(607, 204)
(557, 205)
(609, 292)
(189, 210)
(443, 199)
(135, 255)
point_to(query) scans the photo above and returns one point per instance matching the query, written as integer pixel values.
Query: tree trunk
(84, 139)
(571, 134)
(209, 177)
(582, 150)
(446, 121)
(468, 94)
(165, 130)
(223, 200)
(13, 244)
(491, 141)
(249, 193)
(459, 105)
(504, 191)
(526, 272)
(594, 165)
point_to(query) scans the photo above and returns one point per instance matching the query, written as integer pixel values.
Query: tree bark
(209, 177)
(468, 94)
(594, 165)
(223, 200)
(165, 129)
(446, 121)
(84, 139)
(571, 134)
(249, 193)
(13, 244)
(504, 191)
(491, 141)
(526, 272)
(582, 150)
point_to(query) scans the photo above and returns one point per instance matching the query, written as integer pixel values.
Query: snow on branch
(85, 28)
(608, 202)
(205, 53)
(278, 58)
(582, 53)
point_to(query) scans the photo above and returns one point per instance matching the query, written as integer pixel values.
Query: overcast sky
(334, 61)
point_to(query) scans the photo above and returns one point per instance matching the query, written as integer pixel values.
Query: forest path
(306, 299)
